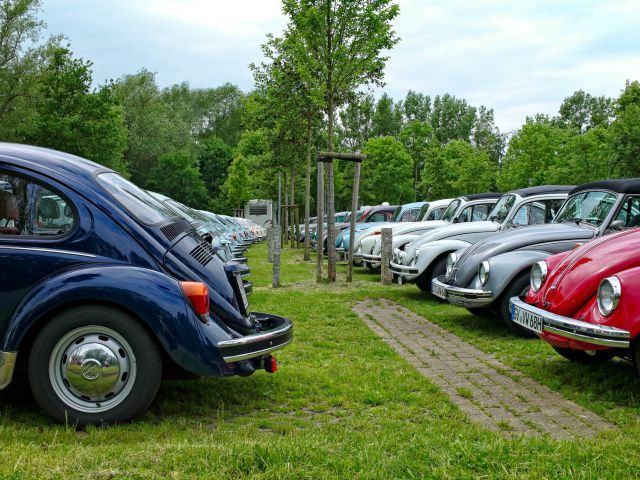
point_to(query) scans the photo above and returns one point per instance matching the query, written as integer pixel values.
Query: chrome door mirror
(617, 225)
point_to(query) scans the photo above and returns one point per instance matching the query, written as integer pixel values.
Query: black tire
(477, 312)
(424, 280)
(517, 288)
(580, 356)
(50, 378)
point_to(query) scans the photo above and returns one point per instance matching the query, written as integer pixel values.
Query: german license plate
(439, 291)
(530, 321)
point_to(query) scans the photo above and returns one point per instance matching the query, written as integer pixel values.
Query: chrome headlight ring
(483, 273)
(609, 293)
(538, 275)
(452, 258)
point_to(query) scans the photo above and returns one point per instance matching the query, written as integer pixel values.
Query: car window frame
(618, 207)
(43, 183)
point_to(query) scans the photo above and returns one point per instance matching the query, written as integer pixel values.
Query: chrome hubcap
(92, 369)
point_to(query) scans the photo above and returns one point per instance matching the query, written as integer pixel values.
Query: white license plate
(439, 291)
(531, 321)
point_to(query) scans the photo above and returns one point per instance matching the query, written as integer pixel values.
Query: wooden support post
(352, 227)
(331, 227)
(270, 244)
(386, 255)
(276, 257)
(320, 222)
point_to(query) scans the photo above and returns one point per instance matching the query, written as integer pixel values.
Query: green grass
(342, 405)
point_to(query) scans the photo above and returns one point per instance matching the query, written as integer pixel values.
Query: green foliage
(387, 172)
(176, 175)
(214, 158)
(626, 130)
(387, 118)
(237, 184)
(416, 137)
(456, 169)
(71, 118)
(582, 111)
(452, 119)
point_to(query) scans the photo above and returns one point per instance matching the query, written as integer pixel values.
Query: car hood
(576, 278)
(515, 239)
(451, 231)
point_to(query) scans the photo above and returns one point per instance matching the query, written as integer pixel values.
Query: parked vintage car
(427, 257)
(467, 208)
(490, 272)
(584, 302)
(94, 312)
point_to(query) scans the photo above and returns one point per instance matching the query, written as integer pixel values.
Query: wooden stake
(320, 222)
(385, 256)
(352, 227)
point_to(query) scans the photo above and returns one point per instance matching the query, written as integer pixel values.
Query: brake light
(198, 295)
(376, 233)
(234, 236)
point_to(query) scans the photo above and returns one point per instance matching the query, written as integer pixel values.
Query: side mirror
(617, 225)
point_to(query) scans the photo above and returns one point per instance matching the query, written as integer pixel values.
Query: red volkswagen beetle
(586, 302)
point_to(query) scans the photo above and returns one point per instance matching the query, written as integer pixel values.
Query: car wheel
(94, 365)
(517, 288)
(424, 280)
(584, 357)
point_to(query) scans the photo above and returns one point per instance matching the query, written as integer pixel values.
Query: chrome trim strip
(257, 337)
(258, 353)
(46, 250)
(7, 364)
(578, 329)
(403, 269)
(464, 296)
(375, 258)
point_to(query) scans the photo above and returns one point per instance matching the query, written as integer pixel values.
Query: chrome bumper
(372, 258)
(403, 270)
(7, 364)
(464, 297)
(577, 329)
(277, 334)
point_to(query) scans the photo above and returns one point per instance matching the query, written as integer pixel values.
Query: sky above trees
(520, 58)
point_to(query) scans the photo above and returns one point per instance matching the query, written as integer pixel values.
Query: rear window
(136, 201)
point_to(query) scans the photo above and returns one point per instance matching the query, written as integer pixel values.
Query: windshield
(396, 214)
(136, 201)
(502, 208)
(451, 210)
(590, 207)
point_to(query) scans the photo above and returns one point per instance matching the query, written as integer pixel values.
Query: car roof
(622, 185)
(413, 205)
(543, 189)
(481, 196)
(384, 208)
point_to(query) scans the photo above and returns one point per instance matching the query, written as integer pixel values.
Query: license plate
(439, 291)
(400, 280)
(528, 320)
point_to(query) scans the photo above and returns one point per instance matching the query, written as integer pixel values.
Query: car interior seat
(9, 213)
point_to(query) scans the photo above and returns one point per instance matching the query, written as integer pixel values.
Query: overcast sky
(517, 57)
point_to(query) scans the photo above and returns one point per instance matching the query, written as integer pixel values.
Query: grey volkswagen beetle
(490, 272)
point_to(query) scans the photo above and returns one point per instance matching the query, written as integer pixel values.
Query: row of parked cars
(559, 262)
(106, 289)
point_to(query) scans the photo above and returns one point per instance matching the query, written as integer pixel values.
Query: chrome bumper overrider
(403, 269)
(577, 329)
(464, 297)
(277, 336)
(7, 364)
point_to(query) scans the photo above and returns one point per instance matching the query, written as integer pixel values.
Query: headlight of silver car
(414, 260)
(609, 293)
(451, 261)
(483, 273)
(538, 275)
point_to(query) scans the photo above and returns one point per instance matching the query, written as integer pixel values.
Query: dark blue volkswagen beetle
(102, 288)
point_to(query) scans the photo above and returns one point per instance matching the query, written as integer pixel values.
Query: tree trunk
(293, 201)
(354, 209)
(276, 257)
(320, 222)
(285, 213)
(307, 195)
(331, 210)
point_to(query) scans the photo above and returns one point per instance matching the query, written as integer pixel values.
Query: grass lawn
(342, 405)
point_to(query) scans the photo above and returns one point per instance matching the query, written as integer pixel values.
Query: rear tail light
(198, 295)
(234, 236)
(270, 364)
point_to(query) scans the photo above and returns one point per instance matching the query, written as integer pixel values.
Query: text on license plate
(439, 291)
(531, 321)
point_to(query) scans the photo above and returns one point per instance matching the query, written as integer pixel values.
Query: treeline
(218, 147)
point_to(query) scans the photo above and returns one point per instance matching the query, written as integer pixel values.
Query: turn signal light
(198, 295)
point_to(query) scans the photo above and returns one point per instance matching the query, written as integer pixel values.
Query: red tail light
(198, 295)
(376, 233)
(234, 236)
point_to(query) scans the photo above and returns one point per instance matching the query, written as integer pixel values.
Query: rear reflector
(198, 295)
(271, 364)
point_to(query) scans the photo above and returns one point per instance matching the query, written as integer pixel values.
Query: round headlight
(451, 261)
(538, 275)
(609, 293)
(483, 273)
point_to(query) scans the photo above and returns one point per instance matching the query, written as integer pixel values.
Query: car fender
(153, 297)
(431, 251)
(504, 268)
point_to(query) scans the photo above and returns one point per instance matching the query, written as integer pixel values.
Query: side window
(630, 212)
(436, 213)
(466, 215)
(30, 209)
(409, 216)
(480, 212)
(537, 212)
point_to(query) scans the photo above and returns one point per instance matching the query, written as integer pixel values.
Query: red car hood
(576, 278)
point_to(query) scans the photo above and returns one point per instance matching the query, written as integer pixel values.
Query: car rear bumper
(277, 333)
(463, 297)
(575, 330)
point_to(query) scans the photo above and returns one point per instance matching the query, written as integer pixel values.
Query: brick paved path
(488, 391)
